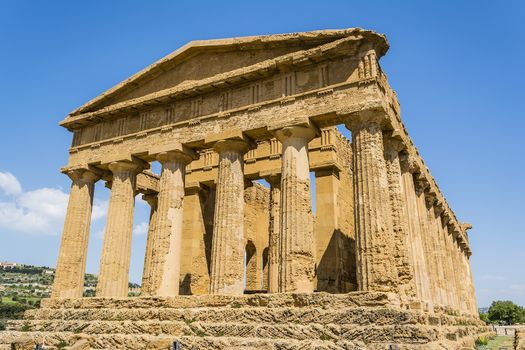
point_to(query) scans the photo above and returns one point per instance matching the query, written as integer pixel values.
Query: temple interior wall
(334, 230)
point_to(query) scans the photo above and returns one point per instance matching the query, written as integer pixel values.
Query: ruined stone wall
(345, 205)
(334, 224)
(256, 225)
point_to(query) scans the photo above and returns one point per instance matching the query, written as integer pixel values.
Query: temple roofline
(196, 46)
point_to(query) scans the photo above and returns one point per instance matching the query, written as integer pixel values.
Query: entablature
(280, 78)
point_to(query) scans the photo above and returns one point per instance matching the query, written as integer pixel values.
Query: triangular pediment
(203, 59)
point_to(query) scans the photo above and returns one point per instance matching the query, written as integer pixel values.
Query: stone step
(370, 333)
(322, 300)
(55, 340)
(304, 315)
(138, 342)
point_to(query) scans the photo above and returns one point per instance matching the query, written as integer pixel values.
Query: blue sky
(457, 68)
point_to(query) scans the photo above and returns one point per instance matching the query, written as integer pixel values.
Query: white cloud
(9, 184)
(492, 278)
(518, 287)
(100, 209)
(41, 211)
(141, 229)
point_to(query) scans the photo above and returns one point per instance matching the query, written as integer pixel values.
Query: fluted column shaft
(427, 240)
(455, 284)
(297, 269)
(400, 225)
(376, 266)
(437, 252)
(274, 258)
(227, 256)
(461, 276)
(71, 265)
(152, 201)
(417, 251)
(167, 237)
(470, 282)
(448, 263)
(116, 250)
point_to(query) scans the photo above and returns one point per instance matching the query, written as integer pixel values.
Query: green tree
(506, 312)
(484, 317)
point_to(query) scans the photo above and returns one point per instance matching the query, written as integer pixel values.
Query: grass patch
(482, 341)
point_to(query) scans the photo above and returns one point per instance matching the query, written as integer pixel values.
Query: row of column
(404, 242)
(292, 262)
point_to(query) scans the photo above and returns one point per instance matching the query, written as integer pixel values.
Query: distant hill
(23, 286)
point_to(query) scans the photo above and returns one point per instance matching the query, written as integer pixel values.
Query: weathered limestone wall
(196, 242)
(199, 204)
(256, 228)
(334, 223)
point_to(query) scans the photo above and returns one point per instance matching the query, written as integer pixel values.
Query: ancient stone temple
(382, 263)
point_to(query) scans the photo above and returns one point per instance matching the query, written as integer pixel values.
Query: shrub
(482, 341)
(506, 312)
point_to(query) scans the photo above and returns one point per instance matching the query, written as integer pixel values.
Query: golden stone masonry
(231, 264)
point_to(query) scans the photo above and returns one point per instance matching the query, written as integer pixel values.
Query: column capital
(446, 217)
(127, 166)
(430, 199)
(151, 199)
(438, 208)
(86, 174)
(295, 131)
(465, 226)
(366, 119)
(408, 163)
(172, 152)
(392, 145)
(177, 155)
(229, 145)
(421, 185)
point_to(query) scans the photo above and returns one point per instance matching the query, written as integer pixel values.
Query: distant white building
(8, 265)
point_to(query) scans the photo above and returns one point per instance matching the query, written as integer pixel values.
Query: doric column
(71, 265)
(167, 242)
(274, 259)
(375, 249)
(455, 271)
(400, 226)
(297, 270)
(428, 241)
(459, 272)
(470, 282)
(151, 199)
(227, 256)
(448, 260)
(116, 250)
(449, 285)
(418, 256)
(437, 249)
